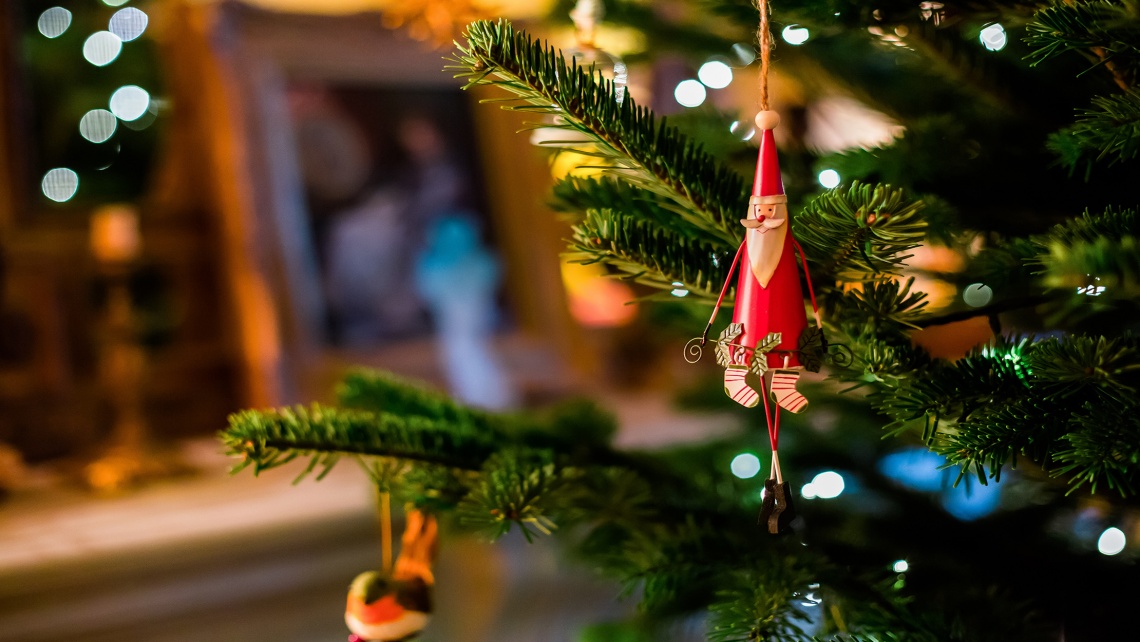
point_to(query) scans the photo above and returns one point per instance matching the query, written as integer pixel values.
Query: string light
(128, 23)
(129, 102)
(795, 34)
(690, 93)
(97, 125)
(829, 178)
(54, 22)
(745, 465)
(679, 290)
(101, 48)
(1111, 541)
(715, 74)
(900, 566)
(60, 184)
(993, 37)
(977, 294)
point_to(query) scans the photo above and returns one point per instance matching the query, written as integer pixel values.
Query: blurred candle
(115, 233)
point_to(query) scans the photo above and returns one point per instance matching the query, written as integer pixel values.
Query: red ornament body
(769, 297)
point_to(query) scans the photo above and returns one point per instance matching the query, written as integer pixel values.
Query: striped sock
(737, 389)
(784, 390)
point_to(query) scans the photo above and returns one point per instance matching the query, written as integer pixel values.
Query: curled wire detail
(841, 356)
(694, 349)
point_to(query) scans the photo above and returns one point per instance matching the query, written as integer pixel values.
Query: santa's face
(768, 215)
(767, 226)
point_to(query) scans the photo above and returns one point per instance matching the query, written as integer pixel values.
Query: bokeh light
(745, 465)
(690, 93)
(129, 102)
(54, 22)
(715, 74)
(1111, 541)
(993, 37)
(977, 294)
(97, 125)
(115, 3)
(901, 566)
(829, 178)
(828, 484)
(128, 23)
(101, 48)
(60, 184)
(744, 130)
(795, 34)
(743, 54)
(679, 289)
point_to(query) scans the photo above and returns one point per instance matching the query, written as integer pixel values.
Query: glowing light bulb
(715, 74)
(828, 484)
(745, 465)
(993, 37)
(977, 294)
(129, 102)
(60, 184)
(97, 125)
(690, 93)
(900, 566)
(128, 24)
(1111, 541)
(795, 34)
(54, 22)
(101, 48)
(829, 178)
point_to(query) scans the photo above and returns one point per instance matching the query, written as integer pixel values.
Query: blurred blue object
(921, 470)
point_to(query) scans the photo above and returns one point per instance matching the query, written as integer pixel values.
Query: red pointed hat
(768, 181)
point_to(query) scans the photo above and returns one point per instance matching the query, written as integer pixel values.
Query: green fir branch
(652, 255)
(1107, 31)
(861, 231)
(1110, 131)
(634, 145)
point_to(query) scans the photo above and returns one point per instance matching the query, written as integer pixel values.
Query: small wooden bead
(767, 120)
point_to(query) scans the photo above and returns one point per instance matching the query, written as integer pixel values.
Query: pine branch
(268, 439)
(637, 148)
(859, 232)
(1110, 131)
(1027, 399)
(575, 195)
(652, 255)
(1108, 31)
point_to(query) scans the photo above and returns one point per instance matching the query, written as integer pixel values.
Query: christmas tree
(1021, 122)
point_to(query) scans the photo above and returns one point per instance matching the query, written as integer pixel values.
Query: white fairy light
(715, 74)
(679, 289)
(829, 178)
(129, 102)
(690, 93)
(900, 566)
(1111, 541)
(795, 34)
(993, 37)
(745, 465)
(828, 484)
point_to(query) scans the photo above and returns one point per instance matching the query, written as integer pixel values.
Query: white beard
(766, 243)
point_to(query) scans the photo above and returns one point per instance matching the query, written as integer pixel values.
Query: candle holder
(130, 456)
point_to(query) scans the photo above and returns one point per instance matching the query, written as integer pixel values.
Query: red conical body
(778, 304)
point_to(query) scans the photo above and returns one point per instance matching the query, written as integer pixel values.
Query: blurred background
(212, 205)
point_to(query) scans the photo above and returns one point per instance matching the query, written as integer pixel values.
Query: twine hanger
(764, 35)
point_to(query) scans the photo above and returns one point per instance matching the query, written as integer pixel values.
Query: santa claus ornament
(765, 348)
(395, 604)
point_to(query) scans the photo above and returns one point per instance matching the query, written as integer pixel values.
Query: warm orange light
(597, 301)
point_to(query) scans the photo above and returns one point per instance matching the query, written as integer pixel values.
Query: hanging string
(764, 35)
(384, 510)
